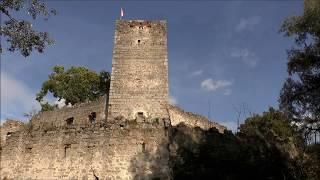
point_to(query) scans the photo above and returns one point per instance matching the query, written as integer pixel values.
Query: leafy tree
(19, 33)
(300, 95)
(75, 85)
(267, 147)
(272, 127)
(47, 107)
(273, 146)
(312, 162)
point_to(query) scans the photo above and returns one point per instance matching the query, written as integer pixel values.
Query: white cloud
(248, 23)
(227, 92)
(55, 101)
(16, 97)
(197, 73)
(230, 125)
(60, 103)
(212, 85)
(173, 100)
(246, 56)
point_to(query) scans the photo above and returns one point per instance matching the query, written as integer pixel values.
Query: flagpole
(121, 13)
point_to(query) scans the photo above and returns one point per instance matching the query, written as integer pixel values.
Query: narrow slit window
(67, 150)
(143, 145)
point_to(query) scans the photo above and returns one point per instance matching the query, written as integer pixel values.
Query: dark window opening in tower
(9, 134)
(143, 147)
(92, 117)
(70, 121)
(67, 150)
(140, 114)
(28, 149)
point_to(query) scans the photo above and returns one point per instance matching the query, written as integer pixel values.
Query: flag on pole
(121, 13)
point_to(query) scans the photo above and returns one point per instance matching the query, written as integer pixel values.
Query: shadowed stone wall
(49, 148)
(311, 4)
(123, 150)
(139, 79)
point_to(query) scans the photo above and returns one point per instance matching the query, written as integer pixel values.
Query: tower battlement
(139, 78)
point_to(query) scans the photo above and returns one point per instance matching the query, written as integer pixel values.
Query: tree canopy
(276, 147)
(267, 147)
(75, 85)
(20, 34)
(300, 95)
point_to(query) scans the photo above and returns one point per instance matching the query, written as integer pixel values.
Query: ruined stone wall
(48, 148)
(139, 79)
(79, 142)
(79, 114)
(178, 116)
(7, 128)
(123, 150)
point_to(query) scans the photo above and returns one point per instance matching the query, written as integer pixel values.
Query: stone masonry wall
(122, 150)
(178, 116)
(92, 140)
(7, 128)
(139, 79)
(79, 114)
(114, 149)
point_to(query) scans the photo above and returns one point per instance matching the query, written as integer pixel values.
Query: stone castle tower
(81, 142)
(139, 79)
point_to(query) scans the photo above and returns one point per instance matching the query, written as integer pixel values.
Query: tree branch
(7, 13)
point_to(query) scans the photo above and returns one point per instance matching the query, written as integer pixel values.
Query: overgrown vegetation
(267, 147)
(75, 85)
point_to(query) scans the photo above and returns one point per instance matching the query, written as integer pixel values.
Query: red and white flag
(121, 13)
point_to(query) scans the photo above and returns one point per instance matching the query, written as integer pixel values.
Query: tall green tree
(268, 146)
(273, 145)
(19, 33)
(300, 95)
(75, 85)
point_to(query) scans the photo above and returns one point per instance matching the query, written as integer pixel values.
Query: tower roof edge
(141, 20)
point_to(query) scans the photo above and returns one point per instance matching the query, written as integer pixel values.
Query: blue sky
(226, 53)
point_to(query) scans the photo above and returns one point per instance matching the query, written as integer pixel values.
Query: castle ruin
(139, 79)
(123, 135)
